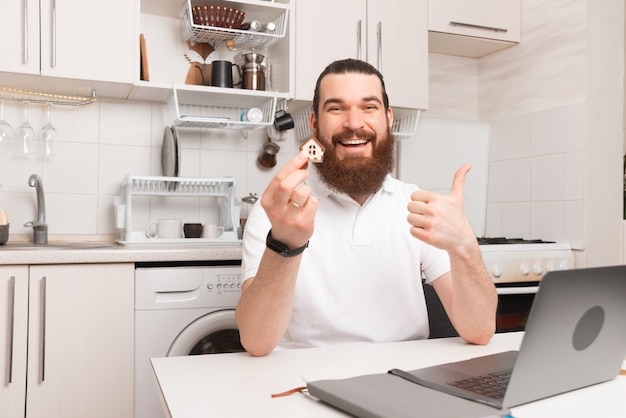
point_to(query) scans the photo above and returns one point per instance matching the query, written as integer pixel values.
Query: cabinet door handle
(470, 25)
(358, 39)
(25, 2)
(379, 41)
(42, 367)
(54, 33)
(11, 328)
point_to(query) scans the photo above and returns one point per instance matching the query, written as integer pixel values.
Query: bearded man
(335, 252)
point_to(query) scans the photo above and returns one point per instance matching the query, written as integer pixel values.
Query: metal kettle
(253, 72)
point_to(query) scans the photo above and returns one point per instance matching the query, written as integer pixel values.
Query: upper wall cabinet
(70, 39)
(473, 28)
(391, 35)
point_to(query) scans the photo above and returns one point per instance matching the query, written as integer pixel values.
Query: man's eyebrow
(336, 100)
(332, 100)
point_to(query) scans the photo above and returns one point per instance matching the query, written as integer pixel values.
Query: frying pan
(170, 156)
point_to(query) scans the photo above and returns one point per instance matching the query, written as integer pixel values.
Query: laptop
(574, 337)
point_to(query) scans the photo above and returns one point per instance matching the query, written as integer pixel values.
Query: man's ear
(313, 122)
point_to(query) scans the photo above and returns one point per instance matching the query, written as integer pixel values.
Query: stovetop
(517, 260)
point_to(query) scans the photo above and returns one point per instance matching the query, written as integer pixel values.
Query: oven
(516, 266)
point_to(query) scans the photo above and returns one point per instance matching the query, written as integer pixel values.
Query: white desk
(238, 385)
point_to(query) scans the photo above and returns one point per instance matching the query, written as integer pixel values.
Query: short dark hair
(346, 66)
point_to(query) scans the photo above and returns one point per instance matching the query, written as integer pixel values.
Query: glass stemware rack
(220, 188)
(10, 94)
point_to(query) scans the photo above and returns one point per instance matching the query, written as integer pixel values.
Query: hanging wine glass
(6, 130)
(26, 141)
(48, 136)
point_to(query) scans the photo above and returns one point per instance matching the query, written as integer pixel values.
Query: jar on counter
(4, 226)
(246, 207)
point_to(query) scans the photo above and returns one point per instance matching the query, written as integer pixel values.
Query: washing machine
(181, 309)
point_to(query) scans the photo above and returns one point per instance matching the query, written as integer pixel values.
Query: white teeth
(355, 142)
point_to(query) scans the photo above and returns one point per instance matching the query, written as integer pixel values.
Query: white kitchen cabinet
(77, 39)
(13, 339)
(473, 28)
(80, 340)
(391, 35)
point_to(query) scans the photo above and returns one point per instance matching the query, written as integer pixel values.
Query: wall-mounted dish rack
(404, 123)
(191, 109)
(221, 188)
(243, 39)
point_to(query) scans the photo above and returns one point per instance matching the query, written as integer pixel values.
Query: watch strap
(281, 248)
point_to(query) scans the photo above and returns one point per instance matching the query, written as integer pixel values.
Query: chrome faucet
(40, 228)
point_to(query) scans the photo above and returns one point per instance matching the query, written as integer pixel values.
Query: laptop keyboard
(492, 385)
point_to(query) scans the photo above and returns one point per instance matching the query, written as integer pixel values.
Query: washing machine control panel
(187, 287)
(222, 286)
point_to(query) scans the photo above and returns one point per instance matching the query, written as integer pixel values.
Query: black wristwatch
(281, 248)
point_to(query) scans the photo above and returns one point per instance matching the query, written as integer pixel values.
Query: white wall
(564, 80)
(99, 144)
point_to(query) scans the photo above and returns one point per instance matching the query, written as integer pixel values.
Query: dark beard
(355, 175)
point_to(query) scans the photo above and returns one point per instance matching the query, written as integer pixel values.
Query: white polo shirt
(360, 277)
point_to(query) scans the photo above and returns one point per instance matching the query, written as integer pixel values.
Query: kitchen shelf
(262, 11)
(221, 188)
(26, 96)
(194, 109)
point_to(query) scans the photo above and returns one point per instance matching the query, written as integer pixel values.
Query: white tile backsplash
(547, 178)
(516, 136)
(495, 141)
(574, 127)
(573, 223)
(516, 220)
(536, 186)
(573, 175)
(547, 131)
(102, 142)
(546, 220)
(516, 180)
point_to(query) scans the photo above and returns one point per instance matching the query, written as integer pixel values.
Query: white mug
(165, 228)
(212, 231)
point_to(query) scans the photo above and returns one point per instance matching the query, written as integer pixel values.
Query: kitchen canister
(254, 114)
(4, 226)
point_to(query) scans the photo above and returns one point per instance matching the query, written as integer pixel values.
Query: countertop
(112, 252)
(239, 385)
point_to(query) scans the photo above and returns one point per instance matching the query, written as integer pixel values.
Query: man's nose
(354, 119)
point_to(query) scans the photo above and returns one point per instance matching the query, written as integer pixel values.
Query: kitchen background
(554, 103)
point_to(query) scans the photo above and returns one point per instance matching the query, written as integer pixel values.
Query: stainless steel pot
(253, 72)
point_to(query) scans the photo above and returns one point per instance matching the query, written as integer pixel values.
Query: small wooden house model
(313, 150)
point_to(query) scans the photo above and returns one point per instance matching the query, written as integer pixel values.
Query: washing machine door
(213, 333)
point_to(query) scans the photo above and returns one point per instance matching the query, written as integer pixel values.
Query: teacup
(165, 228)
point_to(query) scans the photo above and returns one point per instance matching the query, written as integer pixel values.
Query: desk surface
(238, 385)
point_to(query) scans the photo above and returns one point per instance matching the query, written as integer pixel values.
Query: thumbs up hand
(440, 220)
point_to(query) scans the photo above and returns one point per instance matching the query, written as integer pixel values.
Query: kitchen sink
(29, 246)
